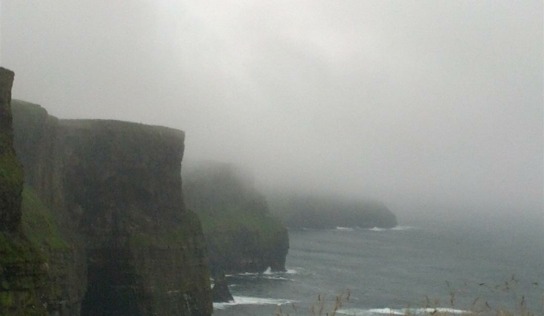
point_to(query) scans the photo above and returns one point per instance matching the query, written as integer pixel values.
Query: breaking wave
(347, 229)
(247, 300)
(402, 311)
(374, 229)
(396, 228)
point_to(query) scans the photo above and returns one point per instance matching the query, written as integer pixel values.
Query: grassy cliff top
(122, 127)
(226, 200)
(35, 113)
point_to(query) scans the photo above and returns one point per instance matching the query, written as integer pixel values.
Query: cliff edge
(11, 172)
(114, 190)
(22, 266)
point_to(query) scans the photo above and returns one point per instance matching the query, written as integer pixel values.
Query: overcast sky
(436, 103)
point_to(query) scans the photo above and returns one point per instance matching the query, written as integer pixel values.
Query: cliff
(113, 189)
(241, 234)
(11, 173)
(327, 212)
(22, 266)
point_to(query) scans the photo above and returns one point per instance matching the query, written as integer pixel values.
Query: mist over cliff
(329, 212)
(241, 232)
(432, 107)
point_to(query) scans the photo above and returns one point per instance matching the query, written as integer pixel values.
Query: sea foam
(268, 274)
(402, 311)
(247, 300)
(345, 229)
(396, 228)
(291, 271)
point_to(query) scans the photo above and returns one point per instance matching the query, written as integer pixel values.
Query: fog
(434, 107)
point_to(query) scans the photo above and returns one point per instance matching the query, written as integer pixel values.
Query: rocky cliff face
(116, 194)
(241, 234)
(11, 174)
(22, 268)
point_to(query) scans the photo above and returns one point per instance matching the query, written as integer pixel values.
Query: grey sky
(412, 102)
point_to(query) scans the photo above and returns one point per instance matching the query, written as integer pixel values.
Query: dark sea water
(387, 271)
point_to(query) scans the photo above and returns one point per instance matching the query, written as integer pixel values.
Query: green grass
(14, 249)
(18, 292)
(11, 173)
(39, 224)
(11, 176)
(236, 219)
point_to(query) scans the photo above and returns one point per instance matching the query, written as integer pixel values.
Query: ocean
(414, 269)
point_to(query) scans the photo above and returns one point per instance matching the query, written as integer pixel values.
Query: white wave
(247, 300)
(246, 274)
(402, 311)
(291, 271)
(396, 228)
(267, 274)
(278, 278)
(346, 229)
(275, 275)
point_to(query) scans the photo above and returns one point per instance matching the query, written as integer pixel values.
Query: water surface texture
(386, 272)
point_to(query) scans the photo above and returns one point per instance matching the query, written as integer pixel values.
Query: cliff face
(43, 209)
(11, 173)
(116, 194)
(326, 212)
(22, 270)
(241, 234)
